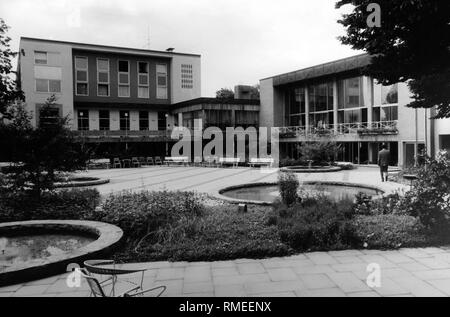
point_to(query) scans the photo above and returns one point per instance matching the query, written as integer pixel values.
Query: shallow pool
(268, 193)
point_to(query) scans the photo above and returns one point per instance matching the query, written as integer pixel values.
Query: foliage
(315, 224)
(8, 90)
(319, 153)
(61, 205)
(40, 152)
(225, 93)
(387, 231)
(288, 183)
(411, 45)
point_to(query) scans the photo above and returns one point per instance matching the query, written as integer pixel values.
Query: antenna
(148, 37)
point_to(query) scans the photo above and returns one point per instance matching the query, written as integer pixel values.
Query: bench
(99, 163)
(229, 161)
(266, 161)
(176, 160)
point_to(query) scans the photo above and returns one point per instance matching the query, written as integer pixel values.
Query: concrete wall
(59, 64)
(179, 93)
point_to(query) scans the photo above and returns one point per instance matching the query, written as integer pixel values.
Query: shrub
(288, 184)
(60, 205)
(315, 224)
(321, 153)
(387, 231)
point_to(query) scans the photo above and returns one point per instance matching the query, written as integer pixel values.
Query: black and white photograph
(222, 154)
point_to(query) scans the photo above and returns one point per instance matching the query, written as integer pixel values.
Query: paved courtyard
(404, 272)
(211, 180)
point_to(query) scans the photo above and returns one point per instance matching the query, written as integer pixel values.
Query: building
(335, 101)
(121, 101)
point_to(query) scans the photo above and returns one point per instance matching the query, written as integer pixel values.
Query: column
(306, 110)
(335, 106)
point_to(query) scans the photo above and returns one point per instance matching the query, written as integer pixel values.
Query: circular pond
(35, 249)
(81, 182)
(267, 193)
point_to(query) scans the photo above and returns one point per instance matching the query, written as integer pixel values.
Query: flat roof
(88, 46)
(338, 66)
(216, 101)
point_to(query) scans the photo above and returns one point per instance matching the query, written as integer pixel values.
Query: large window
(103, 77)
(104, 120)
(83, 120)
(162, 121)
(40, 57)
(48, 85)
(295, 107)
(143, 120)
(125, 120)
(161, 81)
(81, 76)
(389, 94)
(143, 80)
(321, 105)
(350, 93)
(389, 113)
(124, 79)
(354, 116)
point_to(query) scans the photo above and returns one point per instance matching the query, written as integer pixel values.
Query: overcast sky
(241, 41)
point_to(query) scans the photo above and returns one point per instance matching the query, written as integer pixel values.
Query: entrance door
(409, 154)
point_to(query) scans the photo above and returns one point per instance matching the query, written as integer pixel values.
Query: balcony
(363, 129)
(124, 136)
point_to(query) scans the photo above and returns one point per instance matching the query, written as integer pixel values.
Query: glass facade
(321, 105)
(295, 107)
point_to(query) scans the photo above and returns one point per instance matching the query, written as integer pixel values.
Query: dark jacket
(383, 157)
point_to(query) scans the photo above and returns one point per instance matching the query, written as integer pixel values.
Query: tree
(319, 152)
(41, 152)
(225, 93)
(411, 44)
(254, 93)
(8, 89)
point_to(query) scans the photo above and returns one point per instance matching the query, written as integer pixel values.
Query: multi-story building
(335, 101)
(115, 97)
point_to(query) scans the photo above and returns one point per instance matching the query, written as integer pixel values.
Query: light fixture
(170, 49)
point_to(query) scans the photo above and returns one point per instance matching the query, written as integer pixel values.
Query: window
(83, 120)
(295, 107)
(389, 94)
(48, 85)
(143, 80)
(103, 77)
(124, 79)
(81, 76)
(161, 81)
(349, 93)
(162, 121)
(321, 105)
(104, 119)
(381, 114)
(125, 120)
(48, 115)
(143, 120)
(40, 58)
(187, 76)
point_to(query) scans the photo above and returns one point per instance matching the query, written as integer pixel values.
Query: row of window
(103, 78)
(124, 120)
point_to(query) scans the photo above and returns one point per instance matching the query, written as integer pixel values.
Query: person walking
(383, 162)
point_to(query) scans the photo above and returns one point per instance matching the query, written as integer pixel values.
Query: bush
(387, 231)
(59, 205)
(315, 224)
(321, 153)
(288, 184)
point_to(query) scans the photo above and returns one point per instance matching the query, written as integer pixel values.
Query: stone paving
(405, 272)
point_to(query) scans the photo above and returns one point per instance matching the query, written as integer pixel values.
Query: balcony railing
(361, 128)
(123, 134)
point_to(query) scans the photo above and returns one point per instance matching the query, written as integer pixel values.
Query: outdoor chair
(126, 163)
(216, 161)
(116, 162)
(108, 268)
(197, 161)
(150, 161)
(135, 162)
(142, 160)
(158, 160)
(97, 288)
(208, 161)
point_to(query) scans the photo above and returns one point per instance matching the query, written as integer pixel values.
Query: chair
(150, 161)
(197, 161)
(142, 160)
(98, 291)
(135, 162)
(158, 160)
(208, 160)
(116, 162)
(108, 267)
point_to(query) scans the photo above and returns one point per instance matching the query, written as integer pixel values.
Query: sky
(241, 41)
